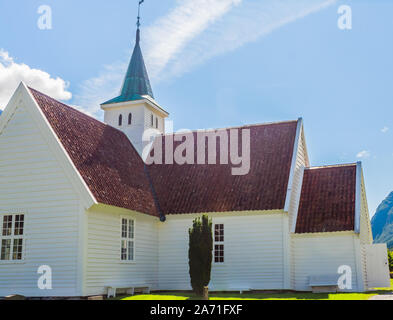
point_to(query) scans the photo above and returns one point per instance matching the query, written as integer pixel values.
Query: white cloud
(363, 154)
(242, 24)
(195, 31)
(168, 37)
(384, 129)
(12, 73)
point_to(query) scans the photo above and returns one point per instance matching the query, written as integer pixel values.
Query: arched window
(152, 120)
(130, 119)
(120, 120)
(157, 123)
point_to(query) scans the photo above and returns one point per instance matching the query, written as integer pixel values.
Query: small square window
(5, 249)
(11, 237)
(123, 250)
(127, 241)
(124, 228)
(7, 225)
(219, 253)
(17, 250)
(19, 222)
(219, 232)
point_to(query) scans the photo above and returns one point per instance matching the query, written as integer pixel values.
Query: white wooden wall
(141, 120)
(254, 252)
(297, 182)
(321, 254)
(104, 267)
(301, 162)
(32, 182)
(365, 237)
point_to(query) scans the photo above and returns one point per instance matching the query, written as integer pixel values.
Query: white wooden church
(75, 195)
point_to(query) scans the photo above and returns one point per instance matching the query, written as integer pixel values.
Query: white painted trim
(321, 234)
(306, 159)
(106, 208)
(10, 109)
(24, 237)
(293, 165)
(128, 218)
(358, 198)
(152, 103)
(226, 213)
(295, 213)
(218, 243)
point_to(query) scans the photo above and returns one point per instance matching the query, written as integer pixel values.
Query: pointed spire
(136, 82)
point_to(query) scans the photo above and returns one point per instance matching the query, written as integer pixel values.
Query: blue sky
(217, 63)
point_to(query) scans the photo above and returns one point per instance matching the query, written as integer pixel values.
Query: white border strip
(296, 211)
(293, 165)
(358, 197)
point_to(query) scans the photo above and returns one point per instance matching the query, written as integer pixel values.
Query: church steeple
(135, 111)
(136, 83)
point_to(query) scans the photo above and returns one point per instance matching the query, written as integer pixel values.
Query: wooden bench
(324, 283)
(111, 291)
(239, 289)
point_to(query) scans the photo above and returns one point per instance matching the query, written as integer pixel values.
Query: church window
(127, 239)
(152, 120)
(12, 237)
(130, 119)
(219, 243)
(157, 123)
(120, 120)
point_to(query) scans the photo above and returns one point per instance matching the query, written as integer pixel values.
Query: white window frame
(128, 218)
(13, 237)
(218, 243)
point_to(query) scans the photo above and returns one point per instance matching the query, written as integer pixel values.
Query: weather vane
(139, 13)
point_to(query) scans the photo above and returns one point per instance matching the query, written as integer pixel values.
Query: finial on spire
(138, 23)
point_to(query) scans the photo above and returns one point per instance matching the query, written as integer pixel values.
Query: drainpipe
(153, 191)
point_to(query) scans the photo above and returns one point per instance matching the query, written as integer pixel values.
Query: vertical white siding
(32, 182)
(365, 235)
(104, 267)
(254, 252)
(322, 254)
(301, 162)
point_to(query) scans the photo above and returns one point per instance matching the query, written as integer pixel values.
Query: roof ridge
(237, 127)
(340, 165)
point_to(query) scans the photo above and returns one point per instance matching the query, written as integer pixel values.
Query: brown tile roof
(327, 200)
(213, 188)
(103, 155)
(115, 173)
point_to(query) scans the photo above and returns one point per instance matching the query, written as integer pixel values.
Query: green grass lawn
(265, 296)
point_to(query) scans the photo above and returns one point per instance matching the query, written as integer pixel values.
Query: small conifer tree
(200, 253)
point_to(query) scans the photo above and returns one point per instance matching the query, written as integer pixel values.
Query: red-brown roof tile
(327, 202)
(212, 188)
(103, 155)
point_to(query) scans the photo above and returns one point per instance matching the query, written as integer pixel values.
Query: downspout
(153, 191)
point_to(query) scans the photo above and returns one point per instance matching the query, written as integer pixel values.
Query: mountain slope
(382, 222)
